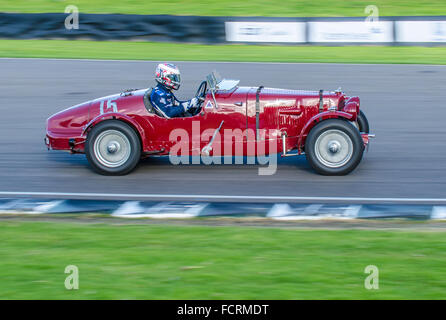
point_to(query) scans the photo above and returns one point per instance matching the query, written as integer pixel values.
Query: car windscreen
(213, 79)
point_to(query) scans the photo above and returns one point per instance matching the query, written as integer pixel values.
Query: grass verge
(191, 262)
(233, 7)
(193, 52)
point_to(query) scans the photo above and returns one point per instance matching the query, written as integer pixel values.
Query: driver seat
(148, 104)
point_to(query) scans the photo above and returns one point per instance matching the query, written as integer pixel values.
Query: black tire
(328, 138)
(113, 148)
(363, 123)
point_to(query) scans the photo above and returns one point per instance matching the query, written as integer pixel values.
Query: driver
(168, 77)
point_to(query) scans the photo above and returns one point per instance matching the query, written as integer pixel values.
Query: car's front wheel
(113, 148)
(334, 147)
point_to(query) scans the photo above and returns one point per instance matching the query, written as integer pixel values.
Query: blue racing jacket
(167, 104)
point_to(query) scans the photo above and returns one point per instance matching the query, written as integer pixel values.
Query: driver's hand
(193, 102)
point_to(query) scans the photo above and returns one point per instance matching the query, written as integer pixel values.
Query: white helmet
(169, 75)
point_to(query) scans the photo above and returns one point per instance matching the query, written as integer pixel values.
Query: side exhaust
(284, 154)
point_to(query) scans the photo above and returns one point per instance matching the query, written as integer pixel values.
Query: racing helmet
(169, 75)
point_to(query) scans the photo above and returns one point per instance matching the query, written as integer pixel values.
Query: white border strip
(191, 197)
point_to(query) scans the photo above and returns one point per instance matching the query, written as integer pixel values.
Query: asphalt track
(405, 105)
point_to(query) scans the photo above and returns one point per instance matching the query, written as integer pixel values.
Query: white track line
(116, 196)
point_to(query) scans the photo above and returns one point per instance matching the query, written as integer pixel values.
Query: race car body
(116, 131)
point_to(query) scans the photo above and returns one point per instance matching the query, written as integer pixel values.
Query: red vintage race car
(116, 131)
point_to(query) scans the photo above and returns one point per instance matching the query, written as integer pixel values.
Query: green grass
(194, 52)
(233, 7)
(170, 51)
(190, 262)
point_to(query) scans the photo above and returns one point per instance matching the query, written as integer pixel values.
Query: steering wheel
(201, 91)
(201, 96)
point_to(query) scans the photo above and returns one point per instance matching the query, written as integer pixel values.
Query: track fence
(415, 30)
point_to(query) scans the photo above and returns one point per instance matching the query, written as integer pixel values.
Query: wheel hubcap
(112, 148)
(333, 148)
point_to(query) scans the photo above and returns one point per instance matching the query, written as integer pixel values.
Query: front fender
(116, 116)
(318, 118)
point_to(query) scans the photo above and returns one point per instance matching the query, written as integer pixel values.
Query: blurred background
(55, 54)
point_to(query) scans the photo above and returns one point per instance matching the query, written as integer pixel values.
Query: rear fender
(318, 118)
(117, 116)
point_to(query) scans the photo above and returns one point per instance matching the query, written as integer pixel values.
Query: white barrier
(386, 31)
(286, 32)
(351, 31)
(420, 31)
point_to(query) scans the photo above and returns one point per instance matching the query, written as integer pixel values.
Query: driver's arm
(195, 102)
(188, 104)
(166, 104)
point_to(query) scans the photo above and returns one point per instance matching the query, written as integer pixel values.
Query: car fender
(117, 116)
(318, 118)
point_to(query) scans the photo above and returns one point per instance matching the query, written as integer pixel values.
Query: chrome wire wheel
(333, 148)
(112, 148)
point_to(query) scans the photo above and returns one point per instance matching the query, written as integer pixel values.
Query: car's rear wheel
(334, 147)
(113, 148)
